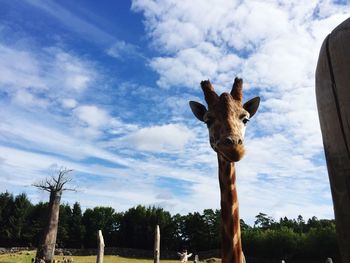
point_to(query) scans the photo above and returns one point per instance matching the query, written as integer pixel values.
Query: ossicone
(237, 89)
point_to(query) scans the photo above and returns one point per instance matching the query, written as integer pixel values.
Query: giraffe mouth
(232, 153)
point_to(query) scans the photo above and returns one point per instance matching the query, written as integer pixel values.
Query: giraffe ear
(252, 106)
(198, 110)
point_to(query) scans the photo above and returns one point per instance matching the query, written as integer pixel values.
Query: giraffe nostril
(229, 141)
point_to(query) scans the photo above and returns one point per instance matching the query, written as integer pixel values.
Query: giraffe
(226, 119)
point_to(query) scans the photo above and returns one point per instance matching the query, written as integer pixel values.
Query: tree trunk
(333, 102)
(46, 248)
(156, 245)
(101, 247)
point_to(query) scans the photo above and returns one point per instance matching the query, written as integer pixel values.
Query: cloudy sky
(103, 89)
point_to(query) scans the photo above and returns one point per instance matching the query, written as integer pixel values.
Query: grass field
(26, 256)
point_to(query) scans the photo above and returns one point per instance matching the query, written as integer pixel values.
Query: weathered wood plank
(101, 247)
(156, 244)
(333, 102)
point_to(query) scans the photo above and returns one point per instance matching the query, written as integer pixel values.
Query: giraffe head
(226, 118)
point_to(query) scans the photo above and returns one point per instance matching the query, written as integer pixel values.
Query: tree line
(22, 222)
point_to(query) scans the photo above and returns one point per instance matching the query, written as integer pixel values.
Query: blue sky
(103, 88)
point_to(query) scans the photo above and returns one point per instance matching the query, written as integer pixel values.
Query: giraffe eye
(245, 120)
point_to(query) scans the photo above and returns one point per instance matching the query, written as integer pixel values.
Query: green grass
(19, 257)
(26, 256)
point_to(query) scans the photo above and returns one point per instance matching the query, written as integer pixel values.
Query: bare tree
(55, 185)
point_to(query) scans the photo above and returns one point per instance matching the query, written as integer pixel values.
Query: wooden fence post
(333, 103)
(101, 247)
(157, 245)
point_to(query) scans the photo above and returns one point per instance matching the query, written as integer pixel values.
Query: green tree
(300, 224)
(244, 226)
(6, 206)
(35, 222)
(176, 240)
(157, 216)
(212, 233)
(195, 232)
(288, 223)
(281, 243)
(63, 234)
(17, 219)
(291, 239)
(321, 241)
(263, 221)
(137, 227)
(76, 227)
(99, 218)
(270, 243)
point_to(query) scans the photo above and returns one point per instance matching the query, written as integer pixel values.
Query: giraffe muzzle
(229, 141)
(230, 148)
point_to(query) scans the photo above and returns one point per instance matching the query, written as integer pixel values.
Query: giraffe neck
(230, 225)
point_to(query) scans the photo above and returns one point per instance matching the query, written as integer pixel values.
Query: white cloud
(50, 136)
(69, 103)
(164, 138)
(189, 65)
(177, 106)
(176, 25)
(123, 50)
(275, 52)
(38, 78)
(92, 115)
(19, 69)
(26, 99)
(71, 72)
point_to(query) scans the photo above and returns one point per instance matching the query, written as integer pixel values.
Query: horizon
(103, 89)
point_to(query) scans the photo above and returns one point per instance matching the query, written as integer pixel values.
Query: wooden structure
(156, 244)
(100, 247)
(333, 102)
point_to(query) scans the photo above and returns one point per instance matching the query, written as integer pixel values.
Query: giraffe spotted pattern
(226, 119)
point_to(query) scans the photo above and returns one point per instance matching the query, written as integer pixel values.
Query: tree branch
(56, 184)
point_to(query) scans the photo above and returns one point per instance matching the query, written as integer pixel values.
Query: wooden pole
(333, 103)
(157, 245)
(101, 247)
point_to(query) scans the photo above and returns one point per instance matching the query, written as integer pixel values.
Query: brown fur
(231, 251)
(237, 89)
(226, 118)
(225, 121)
